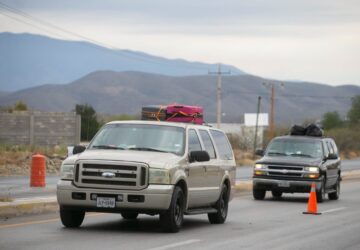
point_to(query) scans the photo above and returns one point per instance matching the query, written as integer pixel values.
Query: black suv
(291, 163)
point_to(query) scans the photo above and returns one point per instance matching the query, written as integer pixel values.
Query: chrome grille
(111, 175)
(285, 171)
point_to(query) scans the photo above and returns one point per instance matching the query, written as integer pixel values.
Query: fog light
(312, 176)
(257, 172)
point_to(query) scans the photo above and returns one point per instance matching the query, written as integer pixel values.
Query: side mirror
(332, 157)
(78, 149)
(260, 152)
(199, 156)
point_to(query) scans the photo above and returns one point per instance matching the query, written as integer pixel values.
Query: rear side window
(334, 147)
(209, 147)
(330, 148)
(326, 149)
(194, 143)
(222, 144)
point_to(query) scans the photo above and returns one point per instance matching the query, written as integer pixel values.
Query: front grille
(111, 175)
(285, 167)
(285, 171)
(285, 174)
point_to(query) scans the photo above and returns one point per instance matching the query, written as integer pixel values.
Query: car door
(212, 168)
(195, 173)
(333, 167)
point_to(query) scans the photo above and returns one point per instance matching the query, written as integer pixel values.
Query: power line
(30, 24)
(92, 42)
(264, 94)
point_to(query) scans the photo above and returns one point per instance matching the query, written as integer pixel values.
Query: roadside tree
(332, 120)
(89, 122)
(354, 112)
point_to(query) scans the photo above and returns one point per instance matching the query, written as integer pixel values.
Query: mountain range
(113, 92)
(29, 60)
(54, 75)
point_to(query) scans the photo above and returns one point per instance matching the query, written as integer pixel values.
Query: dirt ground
(19, 163)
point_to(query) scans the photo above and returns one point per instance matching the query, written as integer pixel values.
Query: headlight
(258, 169)
(67, 172)
(259, 166)
(312, 169)
(159, 176)
(314, 172)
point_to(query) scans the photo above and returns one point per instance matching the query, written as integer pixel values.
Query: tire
(259, 194)
(221, 206)
(320, 195)
(276, 194)
(129, 215)
(71, 218)
(172, 220)
(335, 195)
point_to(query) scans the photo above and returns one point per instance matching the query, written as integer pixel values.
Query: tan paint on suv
(137, 167)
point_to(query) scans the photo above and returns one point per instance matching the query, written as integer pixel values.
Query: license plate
(108, 202)
(284, 184)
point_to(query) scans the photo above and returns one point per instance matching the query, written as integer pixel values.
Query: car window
(222, 145)
(330, 148)
(334, 147)
(142, 137)
(194, 142)
(326, 150)
(209, 147)
(294, 148)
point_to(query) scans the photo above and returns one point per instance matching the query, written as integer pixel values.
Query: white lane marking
(181, 243)
(333, 210)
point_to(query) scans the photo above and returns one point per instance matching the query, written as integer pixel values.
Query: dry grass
(6, 199)
(243, 158)
(16, 160)
(349, 154)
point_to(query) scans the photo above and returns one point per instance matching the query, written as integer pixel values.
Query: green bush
(347, 139)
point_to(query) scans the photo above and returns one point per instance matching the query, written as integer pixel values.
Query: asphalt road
(268, 224)
(18, 186)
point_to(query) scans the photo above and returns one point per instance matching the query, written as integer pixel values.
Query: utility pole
(219, 73)
(272, 113)
(271, 133)
(257, 124)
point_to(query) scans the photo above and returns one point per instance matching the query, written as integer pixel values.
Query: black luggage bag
(314, 130)
(297, 130)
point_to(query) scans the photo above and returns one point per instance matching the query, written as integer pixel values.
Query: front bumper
(286, 186)
(155, 197)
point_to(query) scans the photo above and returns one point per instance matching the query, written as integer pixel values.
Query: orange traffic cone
(312, 204)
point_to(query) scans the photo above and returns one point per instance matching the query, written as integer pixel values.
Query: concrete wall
(40, 128)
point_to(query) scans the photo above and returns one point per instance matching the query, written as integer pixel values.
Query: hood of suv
(153, 159)
(290, 161)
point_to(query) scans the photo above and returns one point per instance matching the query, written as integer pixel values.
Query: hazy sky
(312, 40)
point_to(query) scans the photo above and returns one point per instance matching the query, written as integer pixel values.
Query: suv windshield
(295, 148)
(142, 137)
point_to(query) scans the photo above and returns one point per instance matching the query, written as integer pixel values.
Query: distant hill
(30, 60)
(125, 92)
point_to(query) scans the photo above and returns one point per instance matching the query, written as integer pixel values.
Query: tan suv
(134, 167)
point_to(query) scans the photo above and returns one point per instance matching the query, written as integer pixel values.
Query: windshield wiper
(107, 147)
(302, 155)
(148, 149)
(276, 153)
